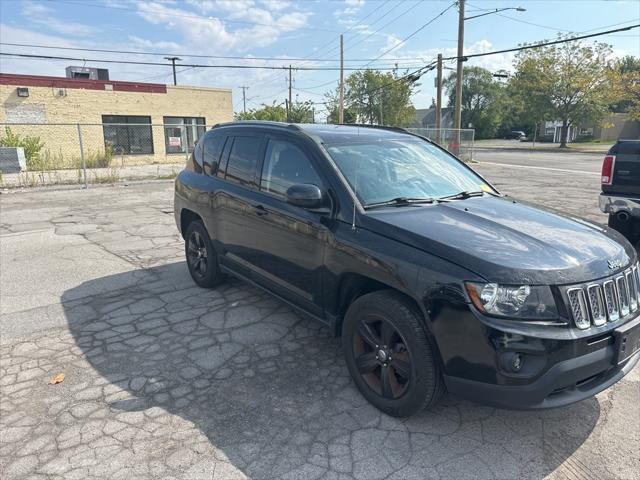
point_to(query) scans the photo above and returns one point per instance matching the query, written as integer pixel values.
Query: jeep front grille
(606, 300)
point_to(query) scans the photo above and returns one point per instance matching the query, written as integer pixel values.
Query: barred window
(123, 139)
(182, 133)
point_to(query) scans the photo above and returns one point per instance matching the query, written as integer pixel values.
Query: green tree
(32, 145)
(626, 77)
(274, 113)
(482, 100)
(569, 82)
(375, 97)
(301, 112)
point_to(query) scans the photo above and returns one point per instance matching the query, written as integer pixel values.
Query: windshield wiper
(467, 194)
(399, 201)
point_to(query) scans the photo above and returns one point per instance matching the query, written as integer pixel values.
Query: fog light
(512, 362)
(516, 362)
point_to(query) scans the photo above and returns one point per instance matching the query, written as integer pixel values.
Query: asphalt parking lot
(167, 380)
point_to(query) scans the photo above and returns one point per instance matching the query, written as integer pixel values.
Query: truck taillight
(607, 169)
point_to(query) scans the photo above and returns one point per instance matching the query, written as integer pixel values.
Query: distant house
(426, 118)
(612, 127)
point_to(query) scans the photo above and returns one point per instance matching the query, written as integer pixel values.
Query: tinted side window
(285, 165)
(243, 160)
(196, 157)
(213, 145)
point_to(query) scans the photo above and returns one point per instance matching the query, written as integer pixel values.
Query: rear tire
(391, 358)
(630, 228)
(202, 259)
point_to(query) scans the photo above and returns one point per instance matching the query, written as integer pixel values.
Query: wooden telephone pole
(439, 93)
(341, 101)
(289, 103)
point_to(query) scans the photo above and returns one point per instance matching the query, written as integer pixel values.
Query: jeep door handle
(260, 210)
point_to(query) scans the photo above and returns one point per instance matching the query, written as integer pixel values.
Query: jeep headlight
(532, 302)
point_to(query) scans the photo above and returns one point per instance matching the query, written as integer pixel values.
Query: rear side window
(196, 157)
(243, 160)
(213, 145)
(628, 148)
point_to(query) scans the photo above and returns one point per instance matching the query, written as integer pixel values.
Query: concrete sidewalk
(515, 145)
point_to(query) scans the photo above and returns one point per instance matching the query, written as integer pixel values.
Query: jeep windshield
(380, 172)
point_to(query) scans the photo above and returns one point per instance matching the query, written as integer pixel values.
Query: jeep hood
(507, 241)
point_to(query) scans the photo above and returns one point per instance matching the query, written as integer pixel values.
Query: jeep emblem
(614, 264)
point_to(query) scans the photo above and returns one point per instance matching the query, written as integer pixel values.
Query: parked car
(432, 278)
(620, 196)
(515, 135)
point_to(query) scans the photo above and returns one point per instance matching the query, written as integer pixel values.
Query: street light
(461, 59)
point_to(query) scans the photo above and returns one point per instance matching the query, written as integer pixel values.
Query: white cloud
(276, 5)
(263, 28)
(43, 16)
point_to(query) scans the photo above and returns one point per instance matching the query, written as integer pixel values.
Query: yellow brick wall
(88, 106)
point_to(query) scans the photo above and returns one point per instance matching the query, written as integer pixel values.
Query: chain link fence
(458, 141)
(95, 153)
(109, 152)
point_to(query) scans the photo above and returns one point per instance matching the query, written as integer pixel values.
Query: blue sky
(291, 29)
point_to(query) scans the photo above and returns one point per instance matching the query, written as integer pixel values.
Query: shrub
(31, 145)
(96, 159)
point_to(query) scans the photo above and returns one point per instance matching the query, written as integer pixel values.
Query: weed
(31, 145)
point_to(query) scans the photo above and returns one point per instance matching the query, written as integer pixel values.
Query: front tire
(202, 259)
(391, 358)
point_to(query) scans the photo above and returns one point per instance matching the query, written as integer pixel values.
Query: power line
(324, 45)
(544, 44)
(225, 57)
(411, 7)
(412, 34)
(193, 65)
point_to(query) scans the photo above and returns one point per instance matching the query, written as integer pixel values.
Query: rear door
(236, 225)
(626, 176)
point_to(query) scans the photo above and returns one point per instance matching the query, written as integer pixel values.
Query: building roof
(80, 83)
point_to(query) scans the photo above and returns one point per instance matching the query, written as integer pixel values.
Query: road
(167, 380)
(583, 163)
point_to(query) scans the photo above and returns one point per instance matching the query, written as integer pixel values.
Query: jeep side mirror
(305, 195)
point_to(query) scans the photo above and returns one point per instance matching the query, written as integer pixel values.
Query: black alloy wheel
(391, 357)
(382, 357)
(202, 260)
(197, 254)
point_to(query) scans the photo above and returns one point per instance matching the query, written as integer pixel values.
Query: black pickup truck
(620, 196)
(431, 277)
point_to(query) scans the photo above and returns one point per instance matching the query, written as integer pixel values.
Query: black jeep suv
(432, 277)
(620, 196)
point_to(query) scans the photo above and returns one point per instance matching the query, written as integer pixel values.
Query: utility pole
(290, 104)
(439, 94)
(173, 64)
(244, 98)
(381, 121)
(341, 88)
(458, 112)
(313, 114)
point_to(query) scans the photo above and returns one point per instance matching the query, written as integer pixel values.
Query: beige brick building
(134, 123)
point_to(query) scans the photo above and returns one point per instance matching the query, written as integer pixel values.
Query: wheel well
(186, 217)
(353, 286)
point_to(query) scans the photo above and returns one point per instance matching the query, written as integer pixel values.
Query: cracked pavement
(167, 380)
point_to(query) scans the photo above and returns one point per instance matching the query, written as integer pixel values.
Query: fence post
(84, 164)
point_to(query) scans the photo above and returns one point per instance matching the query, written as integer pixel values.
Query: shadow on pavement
(271, 393)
